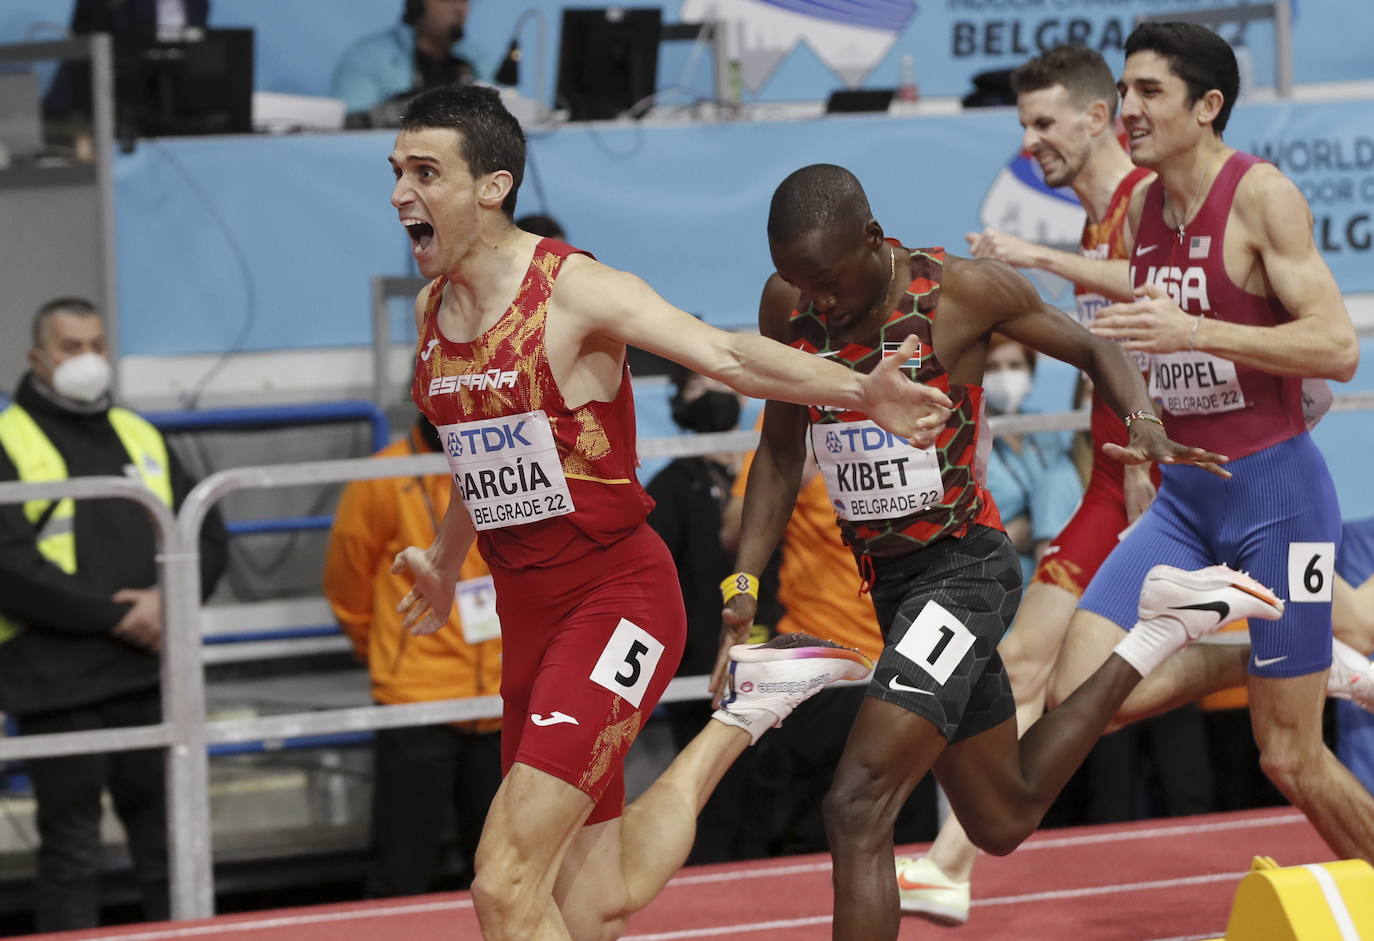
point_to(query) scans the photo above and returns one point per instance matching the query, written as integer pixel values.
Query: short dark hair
(60, 305)
(1198, 56)
(490, 138)
(814, 198)
(1083, 72)
(537, 223)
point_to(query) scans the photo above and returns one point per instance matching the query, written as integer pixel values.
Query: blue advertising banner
(682, 205)
(788, 50)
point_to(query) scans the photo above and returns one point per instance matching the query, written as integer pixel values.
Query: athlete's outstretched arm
(616, 304)
(993, 290)
(1109, 277)
(1318, 342)
(771, 491)
(429, 603)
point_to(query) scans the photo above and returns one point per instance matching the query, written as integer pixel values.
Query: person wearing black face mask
(690, 493)
(377, 74)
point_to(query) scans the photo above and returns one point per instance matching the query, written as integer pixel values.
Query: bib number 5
(627, 662)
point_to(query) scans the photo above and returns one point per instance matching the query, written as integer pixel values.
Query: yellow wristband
(741, 583)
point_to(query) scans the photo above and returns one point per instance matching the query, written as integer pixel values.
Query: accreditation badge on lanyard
(507, 469)
(476, 599)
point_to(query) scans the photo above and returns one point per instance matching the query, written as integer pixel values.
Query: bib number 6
(1311, 571)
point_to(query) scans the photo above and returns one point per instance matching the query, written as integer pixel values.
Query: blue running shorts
(1276, 518)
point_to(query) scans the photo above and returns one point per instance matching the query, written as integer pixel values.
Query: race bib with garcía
(872, 474)
(507, 469)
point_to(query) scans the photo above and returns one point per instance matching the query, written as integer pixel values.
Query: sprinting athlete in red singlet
(945, 579)
(1067, 105)
(1236, 307)
(520, 365)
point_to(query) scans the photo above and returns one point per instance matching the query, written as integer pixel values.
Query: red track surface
(1156, 881)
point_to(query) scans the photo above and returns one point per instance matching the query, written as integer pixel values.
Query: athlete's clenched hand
(735, 621)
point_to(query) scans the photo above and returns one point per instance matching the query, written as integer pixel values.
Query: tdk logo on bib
(487, 440)
(859, 437)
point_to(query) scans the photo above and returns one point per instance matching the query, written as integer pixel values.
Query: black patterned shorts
(943, 610)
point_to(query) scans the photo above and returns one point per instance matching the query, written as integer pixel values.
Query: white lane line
(1088, 839)
(729, 929)
(285, 921)
(1055, 895)
(1335, 901)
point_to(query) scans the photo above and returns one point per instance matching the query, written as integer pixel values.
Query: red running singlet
(1209, 401)
(543, 483)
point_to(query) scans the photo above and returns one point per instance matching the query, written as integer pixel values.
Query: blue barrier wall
(289, 230)
(789, 49)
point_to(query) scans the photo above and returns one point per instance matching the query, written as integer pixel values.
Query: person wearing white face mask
(1031, 477)
(80, 611)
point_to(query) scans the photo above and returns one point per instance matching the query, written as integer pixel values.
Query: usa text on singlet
(1210, 401)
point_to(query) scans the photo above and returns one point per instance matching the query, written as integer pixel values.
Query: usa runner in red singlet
(1236, 307)
(520, 365)
(1067, 106)
(945, 579)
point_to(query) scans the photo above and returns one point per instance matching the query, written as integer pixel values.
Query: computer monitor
(607, 60)
(198, 83)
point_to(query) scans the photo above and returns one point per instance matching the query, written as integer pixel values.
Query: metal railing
(185, 731)
(1280, 11)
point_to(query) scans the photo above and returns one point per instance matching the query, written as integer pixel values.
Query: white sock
(1150, 643)
(753, 721)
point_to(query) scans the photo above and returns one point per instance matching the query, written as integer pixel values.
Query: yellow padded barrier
(1318, 902)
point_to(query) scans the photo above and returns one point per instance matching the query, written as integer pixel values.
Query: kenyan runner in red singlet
(945, 579)
(1066, 102)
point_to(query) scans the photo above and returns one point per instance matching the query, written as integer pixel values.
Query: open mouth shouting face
(435, 197)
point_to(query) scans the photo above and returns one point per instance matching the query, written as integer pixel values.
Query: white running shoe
(767, 681)
(1351, 676)
(1204, 600)
(925, 890)
(1178, 607)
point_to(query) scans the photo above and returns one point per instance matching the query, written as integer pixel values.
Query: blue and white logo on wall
(849, 38)
(1020, 202)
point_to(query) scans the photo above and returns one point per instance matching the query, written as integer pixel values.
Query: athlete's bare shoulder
(984, 291)
(1136, 209)
(422, 304)
(1271, 210)
(776, 306)
(586, 286)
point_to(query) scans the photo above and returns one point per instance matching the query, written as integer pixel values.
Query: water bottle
(906, 88)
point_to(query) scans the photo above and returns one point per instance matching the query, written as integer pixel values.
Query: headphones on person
(414, 10)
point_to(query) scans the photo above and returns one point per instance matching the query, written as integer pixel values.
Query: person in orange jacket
(418, 769)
